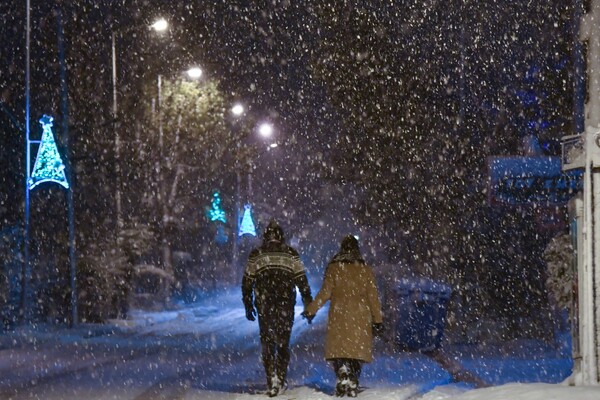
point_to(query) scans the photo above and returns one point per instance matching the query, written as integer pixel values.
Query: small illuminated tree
(216, 212)
(48, 165)
(247, 226)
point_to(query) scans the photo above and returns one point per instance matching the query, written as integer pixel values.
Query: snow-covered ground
(208, 350)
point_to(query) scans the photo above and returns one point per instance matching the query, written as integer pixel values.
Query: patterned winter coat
(355, 306)
(273, 272)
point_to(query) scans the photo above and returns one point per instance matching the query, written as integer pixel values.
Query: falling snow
(431, 131)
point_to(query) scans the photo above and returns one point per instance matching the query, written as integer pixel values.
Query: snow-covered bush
(558, 256)
(106, 271)
(100, 271)
(10, 269)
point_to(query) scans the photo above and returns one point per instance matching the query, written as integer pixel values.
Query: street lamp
(265, 130)
(237, 109)
(160, 25)
(194, 72)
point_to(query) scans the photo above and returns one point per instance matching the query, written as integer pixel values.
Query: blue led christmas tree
(216, 213)
(247, 226)
(48, 165)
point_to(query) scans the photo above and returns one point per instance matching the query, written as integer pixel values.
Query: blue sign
(520, 180)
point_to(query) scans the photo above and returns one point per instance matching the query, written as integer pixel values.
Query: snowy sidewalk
(208, 350)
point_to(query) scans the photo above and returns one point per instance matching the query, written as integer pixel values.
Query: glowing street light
(237, 109)
(160, 25)
(194, 72)
(265, 130)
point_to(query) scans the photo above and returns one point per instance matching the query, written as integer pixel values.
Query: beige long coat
(354, 307)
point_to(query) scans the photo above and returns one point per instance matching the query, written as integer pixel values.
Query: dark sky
(261, 51)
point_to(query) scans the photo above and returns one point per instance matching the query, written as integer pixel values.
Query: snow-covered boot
(352, 388)
(343, 381)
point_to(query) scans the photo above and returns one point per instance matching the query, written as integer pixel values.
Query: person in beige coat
(354, 315)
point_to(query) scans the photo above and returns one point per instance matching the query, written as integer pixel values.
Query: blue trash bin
(421, 313)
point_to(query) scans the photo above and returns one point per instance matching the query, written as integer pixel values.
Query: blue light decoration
(216, 213)
(48, 165)
(247, 226)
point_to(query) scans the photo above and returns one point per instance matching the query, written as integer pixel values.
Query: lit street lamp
(159, 25)
(265, 130)
(194, 72)
(237, 110)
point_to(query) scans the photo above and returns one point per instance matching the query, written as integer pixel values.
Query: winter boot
(343, 381)
(352, 388)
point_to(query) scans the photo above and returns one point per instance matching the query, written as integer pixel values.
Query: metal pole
(26, 270)
(115, 111)
(586, 303)
(250, 184)
(167, 265)
(588, 322)
(235, 258)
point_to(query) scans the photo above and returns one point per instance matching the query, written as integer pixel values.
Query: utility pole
(582, 151)
(115, 110)
(26, 272)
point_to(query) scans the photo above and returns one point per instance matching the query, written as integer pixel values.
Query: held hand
(378, 329)
(307, 300)
(250, 313)
(307, 316)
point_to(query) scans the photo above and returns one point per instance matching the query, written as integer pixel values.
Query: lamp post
(237, 110)
(25, 274)
(159, 25)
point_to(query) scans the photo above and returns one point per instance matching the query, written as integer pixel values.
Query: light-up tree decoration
(48, 165)
(216, 213)
(247, 226)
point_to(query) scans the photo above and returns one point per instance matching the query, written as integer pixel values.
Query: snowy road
(208, 350)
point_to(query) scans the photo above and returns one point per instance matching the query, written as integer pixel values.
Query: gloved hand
(307, 316)
(250, 313)
(378, 329)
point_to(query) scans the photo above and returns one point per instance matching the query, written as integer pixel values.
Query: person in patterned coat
(272, 273)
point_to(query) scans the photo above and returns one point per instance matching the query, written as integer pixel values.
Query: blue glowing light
(48, 166)
(216, 213)
(247, 226)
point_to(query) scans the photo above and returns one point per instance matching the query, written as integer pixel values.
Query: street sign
(519, 180)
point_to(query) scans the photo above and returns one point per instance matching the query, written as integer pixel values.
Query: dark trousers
(275, 330)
